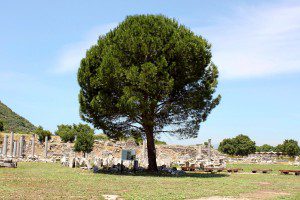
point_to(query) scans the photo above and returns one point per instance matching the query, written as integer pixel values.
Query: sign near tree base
(128, 155)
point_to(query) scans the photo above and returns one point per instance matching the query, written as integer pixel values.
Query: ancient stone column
(4, 151)
(209, 149)
(21, 146)
(200, 151)
(46, 146)
(33, 146)
(11, 143)
(15, 149)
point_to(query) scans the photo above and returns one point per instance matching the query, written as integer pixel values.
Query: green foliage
(279, 148)
(227, 146)
(159, 142)
(147, 75)
(265, 148)
(41, 133)
(1, 126)
(206, 144)
(85, 138)
(25, 132)
(240, 145)
(139, 141)
(101, 137)
(149, 71)
(12, 121)
(290, 148)
(66, 132)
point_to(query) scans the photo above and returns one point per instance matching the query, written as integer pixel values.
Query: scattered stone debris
(27, 148)
(9, 163)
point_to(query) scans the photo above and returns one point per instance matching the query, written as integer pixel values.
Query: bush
(85, 138)
(66, 132)
(41, 133)
(159, 142)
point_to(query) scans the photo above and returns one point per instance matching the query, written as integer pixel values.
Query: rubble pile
(9, 163)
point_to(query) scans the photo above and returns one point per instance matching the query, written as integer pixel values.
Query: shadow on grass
(158, 174)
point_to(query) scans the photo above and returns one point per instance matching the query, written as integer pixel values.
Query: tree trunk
(151, 150)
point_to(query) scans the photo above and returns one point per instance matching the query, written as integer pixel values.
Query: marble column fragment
(17, 149)
(46, 146)
(14, 149)
(209, 149)
(33, 146)
(21, 146)
(4, 151)
(11, 143)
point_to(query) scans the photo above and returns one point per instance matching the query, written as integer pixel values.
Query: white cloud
(256, 41)
(71, 54)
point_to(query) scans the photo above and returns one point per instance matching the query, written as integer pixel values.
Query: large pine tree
(146, 77)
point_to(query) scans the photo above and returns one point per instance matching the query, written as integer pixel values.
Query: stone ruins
(105, 153)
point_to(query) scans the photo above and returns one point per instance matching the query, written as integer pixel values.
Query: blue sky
(256, 45)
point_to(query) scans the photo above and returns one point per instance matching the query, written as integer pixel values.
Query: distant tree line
(242, 145)
(289, 147)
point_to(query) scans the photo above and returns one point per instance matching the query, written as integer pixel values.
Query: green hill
(13, 121)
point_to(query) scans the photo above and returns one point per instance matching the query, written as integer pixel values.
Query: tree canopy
(240, 145)
(265, 148)
(66, 132)
(149, 75)
(290, 147)
(85, 138)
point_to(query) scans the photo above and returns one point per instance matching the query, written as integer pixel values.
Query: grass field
(52, 181)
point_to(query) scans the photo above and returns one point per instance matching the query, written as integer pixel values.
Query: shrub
(85, 138)
(41, 133)
(66, 132)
